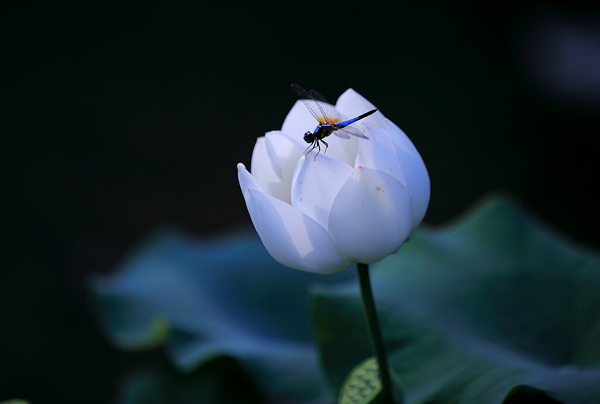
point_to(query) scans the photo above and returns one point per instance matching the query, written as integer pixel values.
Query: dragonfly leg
(319, 146)
(316, 144)
(311, 147)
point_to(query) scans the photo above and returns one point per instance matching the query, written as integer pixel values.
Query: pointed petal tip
(350, 90)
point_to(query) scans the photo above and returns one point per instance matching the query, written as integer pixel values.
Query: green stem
(375, 333)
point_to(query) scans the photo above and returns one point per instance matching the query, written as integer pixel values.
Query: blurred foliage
(474, 310)
(496, 307)
(223, 296)
(220, 380)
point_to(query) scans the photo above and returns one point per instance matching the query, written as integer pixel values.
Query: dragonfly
(330, 120)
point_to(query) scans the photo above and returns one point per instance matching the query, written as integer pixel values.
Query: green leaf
(495, 303)
(220, 296)
(220, 380)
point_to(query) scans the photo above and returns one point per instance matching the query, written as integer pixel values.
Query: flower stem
(375, 333)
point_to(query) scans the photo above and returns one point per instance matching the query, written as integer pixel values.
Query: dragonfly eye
(309, 137)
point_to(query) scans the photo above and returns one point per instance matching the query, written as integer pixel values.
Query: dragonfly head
(309, 137)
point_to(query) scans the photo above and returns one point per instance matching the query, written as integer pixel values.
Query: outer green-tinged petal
(290, 236)
(414, 170)
(370, 216)
(316, 183)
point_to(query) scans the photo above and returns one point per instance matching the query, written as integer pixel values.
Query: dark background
(116, 119)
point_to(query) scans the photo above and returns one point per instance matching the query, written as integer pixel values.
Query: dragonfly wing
(316, 110)
(330, 114)
(349, 130)
(308, 101)
(317, 96)
(318, 106)
(302, 93)
(341, 133)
